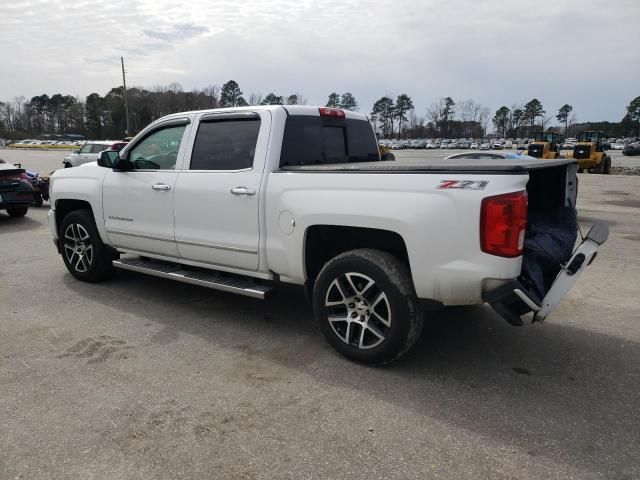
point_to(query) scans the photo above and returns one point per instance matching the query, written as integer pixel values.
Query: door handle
(242, 191)
(161, 186)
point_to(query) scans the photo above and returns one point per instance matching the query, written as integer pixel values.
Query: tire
(607, 166)
(37, 197)
(17, 212)
(374, 287)
(83, 252)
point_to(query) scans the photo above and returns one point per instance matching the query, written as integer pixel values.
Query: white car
(244, 199)
(617, 146)
(90, 152)
(497, 146)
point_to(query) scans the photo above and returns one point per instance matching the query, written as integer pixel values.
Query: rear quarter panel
(440, 227)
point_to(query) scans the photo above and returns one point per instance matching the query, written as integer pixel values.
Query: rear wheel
(607, 166)
(37, 197)
(366, 307)
(17, 211)
(83, 252)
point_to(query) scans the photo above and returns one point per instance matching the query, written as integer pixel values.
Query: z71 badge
(464, 184)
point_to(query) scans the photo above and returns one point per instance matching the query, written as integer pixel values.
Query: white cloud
(497, 52)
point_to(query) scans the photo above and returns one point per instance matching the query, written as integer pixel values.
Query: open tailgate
(512, 300)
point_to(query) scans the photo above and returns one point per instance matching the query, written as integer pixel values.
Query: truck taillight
(331, 112)
(503, 220)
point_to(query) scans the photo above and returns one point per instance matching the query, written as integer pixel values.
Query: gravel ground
(143, 378)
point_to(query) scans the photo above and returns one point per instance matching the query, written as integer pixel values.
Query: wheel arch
(67, 205)
(324, 242)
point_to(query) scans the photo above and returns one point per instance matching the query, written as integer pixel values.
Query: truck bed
(436, 165)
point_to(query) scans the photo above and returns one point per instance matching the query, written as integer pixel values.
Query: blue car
(16, 192)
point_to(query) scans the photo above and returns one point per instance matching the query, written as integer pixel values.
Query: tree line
(99, 117)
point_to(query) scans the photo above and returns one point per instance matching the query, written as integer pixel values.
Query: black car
(632, 149)
(16, 192)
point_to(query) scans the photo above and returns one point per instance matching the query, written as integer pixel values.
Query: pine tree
(230, 94)
(348, 102)
(403, 105)
(532, 111)
(334, 100)
(563, 116)
(273, 99)
(501, 120)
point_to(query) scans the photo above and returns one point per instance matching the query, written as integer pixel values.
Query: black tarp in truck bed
(435, 165)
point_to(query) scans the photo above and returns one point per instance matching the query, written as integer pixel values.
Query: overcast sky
(496, 52)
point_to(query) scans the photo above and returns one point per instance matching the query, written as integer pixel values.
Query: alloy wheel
(358, 310)
(78, 248)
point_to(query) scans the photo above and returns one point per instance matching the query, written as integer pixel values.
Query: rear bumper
(22, 197)
(511, 300)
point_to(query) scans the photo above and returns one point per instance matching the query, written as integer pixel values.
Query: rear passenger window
(225, 144)
(312, 140)
(97, 148)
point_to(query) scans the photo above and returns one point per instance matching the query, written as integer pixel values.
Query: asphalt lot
(143, 378)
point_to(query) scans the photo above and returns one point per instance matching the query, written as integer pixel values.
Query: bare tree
(435, 111)
(255, 99)
(213, 93)
(484, 117)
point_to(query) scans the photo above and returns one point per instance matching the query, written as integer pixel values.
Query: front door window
(158, 151)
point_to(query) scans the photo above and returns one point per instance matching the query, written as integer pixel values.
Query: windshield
(588, 137)
(545, 137)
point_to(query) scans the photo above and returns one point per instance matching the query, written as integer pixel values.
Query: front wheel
(366, 306)
(83, 252)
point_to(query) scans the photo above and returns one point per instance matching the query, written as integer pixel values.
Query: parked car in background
(567, 145)
(497, 146)
(632, 149)
(16, 192)
(490, 156)
(485, 146)
(617, 146)
(90, 152)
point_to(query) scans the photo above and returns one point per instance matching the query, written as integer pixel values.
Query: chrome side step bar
(213, 280)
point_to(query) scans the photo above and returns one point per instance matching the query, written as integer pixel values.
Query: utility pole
(126, 102)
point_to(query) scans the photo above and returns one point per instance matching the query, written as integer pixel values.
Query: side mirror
(108, 158)
(76, 151)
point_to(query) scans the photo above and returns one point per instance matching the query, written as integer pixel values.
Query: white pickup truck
(242, 199)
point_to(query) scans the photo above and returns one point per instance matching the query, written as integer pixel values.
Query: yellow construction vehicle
(385, 153)
(546, 145)
(590, 153)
